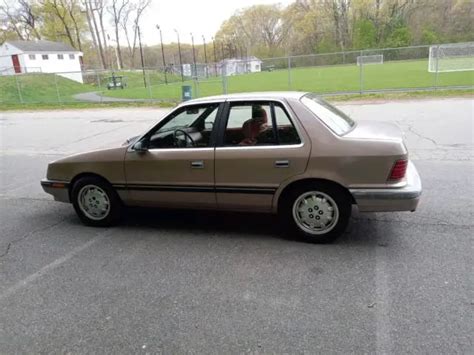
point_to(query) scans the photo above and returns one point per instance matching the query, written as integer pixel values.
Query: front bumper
(59, 189)
(391, 199)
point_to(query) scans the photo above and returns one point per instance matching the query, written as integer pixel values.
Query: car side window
(249, 124)
(259, 124)
(287, 133)
(189, 127)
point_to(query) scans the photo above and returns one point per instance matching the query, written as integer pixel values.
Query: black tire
(337, 194)
(115, 204)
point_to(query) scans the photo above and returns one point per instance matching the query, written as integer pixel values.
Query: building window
(45, 57)
(71, 56)
(60, 56)
(32, 56)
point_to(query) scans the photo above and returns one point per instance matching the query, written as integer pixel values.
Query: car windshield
(335, 119)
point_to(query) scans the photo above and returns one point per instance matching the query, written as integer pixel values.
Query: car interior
(191, 127)
(248, 124)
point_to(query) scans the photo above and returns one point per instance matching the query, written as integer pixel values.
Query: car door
(175, 168)
(260, 145)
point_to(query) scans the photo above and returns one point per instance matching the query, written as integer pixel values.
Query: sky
(201, 17)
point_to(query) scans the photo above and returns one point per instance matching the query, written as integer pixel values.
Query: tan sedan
(289, 153)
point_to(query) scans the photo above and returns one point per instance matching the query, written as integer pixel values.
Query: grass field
(331, 79)
(41, 88)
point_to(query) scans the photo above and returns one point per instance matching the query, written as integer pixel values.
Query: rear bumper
(59, 189)
(391, 199)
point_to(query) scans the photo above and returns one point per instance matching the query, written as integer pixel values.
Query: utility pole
(180, 57)
(163, 54)
(215, 56)
(194, 55)
(141, 54)
(205, 55)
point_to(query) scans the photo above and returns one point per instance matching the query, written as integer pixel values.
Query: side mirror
(140, 146)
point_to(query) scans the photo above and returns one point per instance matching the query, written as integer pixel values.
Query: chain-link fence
(365, 71)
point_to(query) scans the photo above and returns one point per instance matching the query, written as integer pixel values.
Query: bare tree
(132, 14)
(60, 11)
(72, 7)
(339, 12)
(91, 9)
(13, 20)
(117, 10)
(127, 14)
(100, 6)
(29, 18)
(91, 28)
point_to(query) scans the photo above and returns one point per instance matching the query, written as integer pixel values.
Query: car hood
(374, 130)
(107, 163)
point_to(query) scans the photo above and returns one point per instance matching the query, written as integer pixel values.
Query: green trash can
(186, 93)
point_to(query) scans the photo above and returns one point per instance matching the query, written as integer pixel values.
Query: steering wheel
(186, 134)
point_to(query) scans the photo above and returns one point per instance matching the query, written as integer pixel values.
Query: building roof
(244, 59)
(42, 46)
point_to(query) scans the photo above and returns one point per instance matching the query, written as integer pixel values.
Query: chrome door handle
(197, 164)
(282, 163)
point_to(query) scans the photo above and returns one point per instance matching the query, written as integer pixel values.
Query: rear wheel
(316, 212)
(96, 202)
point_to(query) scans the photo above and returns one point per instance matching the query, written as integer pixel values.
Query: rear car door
(260, 145)
(177, 168)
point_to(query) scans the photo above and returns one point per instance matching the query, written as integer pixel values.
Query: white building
(18, 57)
(235, 66)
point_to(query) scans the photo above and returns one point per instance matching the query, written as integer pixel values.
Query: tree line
(95, 27)
(324, 26)
(107, 31)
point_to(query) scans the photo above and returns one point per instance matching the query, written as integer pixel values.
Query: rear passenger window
(286, 131)
(249, 124)
(259, 123)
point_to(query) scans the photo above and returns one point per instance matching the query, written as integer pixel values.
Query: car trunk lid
(376, 130)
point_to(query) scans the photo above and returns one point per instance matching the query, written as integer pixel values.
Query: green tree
(365, 34)
(258, 29)
(63, 20)
(429, 36)
(400, 37)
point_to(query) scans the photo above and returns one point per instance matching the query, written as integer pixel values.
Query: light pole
(205, 54)
(180, 58)
(162, 53)
(194, 55)
(141, 54)
(215, 56)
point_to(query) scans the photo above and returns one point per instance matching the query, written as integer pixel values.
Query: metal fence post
(99, 85)
(57, 89)
(224, 79)
(196, 87)
(437, 68)
(18, 88)
(289, 73)
(361, 74)
(149, 85)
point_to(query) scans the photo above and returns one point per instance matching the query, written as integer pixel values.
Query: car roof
(264, 95)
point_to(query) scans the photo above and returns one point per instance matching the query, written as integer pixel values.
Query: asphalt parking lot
(179, 282)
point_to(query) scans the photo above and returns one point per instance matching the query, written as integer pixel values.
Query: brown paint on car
(194, 164)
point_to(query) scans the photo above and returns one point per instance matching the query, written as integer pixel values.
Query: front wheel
(317, 212)
(96, 202)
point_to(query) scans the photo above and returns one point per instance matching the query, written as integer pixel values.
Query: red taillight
(399, 170)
